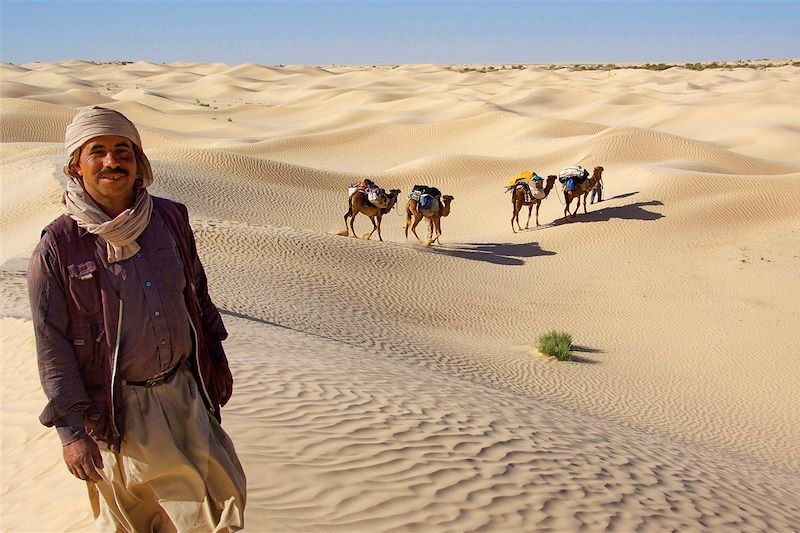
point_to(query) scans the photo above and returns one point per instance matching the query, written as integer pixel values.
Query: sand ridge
(389, 385)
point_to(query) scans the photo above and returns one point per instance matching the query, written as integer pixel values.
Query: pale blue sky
(392, 32)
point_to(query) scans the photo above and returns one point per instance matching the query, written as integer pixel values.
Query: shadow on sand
(634, 211)
(582, 358)
(623, 195)
(497, 253)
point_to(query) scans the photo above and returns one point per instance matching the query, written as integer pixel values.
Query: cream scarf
(120, 233)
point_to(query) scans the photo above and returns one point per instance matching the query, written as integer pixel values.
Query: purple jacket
(78, 366)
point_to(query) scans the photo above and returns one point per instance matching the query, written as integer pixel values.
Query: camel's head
(551, 179)
(391, 196)
(444, 210)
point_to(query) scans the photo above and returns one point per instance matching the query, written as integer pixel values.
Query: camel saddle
(524, 176)
(428, 199)
(428, 205)
(577, 173)
(531, 193)
(418, 190)
(375, 195)
(576, 185)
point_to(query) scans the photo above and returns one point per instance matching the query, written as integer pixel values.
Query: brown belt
(154, 382)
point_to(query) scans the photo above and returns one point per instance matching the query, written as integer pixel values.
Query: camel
(518, 200)
(358, 203)
(434, 220)
(587, 186)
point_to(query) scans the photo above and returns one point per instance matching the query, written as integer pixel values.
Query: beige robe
(177, 469)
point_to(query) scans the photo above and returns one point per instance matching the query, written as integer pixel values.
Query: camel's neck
(445, 210)
(388, 207)
(548, 187)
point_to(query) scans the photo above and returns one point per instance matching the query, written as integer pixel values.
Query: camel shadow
(496, 253)
(635, 211)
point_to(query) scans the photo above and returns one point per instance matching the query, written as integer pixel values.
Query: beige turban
(121, 232)
(97, 121)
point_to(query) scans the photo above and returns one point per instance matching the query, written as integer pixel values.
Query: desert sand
(396, 386)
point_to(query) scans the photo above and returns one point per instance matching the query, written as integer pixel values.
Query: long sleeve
(58, 368)
(212, 321)
(213, 326)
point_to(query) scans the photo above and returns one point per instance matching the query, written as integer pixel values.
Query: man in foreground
(129, 344)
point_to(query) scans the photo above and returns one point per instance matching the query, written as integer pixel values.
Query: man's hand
(83, 459)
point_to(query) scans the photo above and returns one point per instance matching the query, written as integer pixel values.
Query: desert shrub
(555, 344)
(659, 66)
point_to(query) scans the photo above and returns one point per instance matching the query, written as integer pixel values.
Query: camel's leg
(577, 206)
(437, 229)
(430, 231)
(528, 223)
(417, 219)
(408, 221)
(379, 227)
(515, 216)
(584, 201)
(346, 216)
(537, 213)
(352, 219)
(567, 201)
(374, 227)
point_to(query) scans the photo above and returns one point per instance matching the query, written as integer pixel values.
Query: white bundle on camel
(375, 195)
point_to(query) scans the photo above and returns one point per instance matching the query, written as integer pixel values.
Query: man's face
(107, 165)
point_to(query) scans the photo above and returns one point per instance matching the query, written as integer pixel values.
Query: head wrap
(97, 121)
(121, 232)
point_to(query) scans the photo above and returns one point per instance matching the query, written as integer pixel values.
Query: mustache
(106, 171)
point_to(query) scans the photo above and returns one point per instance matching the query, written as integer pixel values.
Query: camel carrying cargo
(375, 195)
(428, 199)
(367, 198)
(574, 178)
(528, 192)
(428, 203)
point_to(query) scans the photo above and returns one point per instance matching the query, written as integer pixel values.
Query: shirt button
(157, 313)
(163, 341)
(138, 254)
(148, 284)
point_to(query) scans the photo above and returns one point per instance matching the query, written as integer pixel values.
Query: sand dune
(394, 386)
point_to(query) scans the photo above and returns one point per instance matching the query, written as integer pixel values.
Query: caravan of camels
(527, 189)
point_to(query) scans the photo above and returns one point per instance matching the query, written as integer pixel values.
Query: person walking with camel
(597, 191)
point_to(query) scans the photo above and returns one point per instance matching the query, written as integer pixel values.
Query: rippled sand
(394, 386)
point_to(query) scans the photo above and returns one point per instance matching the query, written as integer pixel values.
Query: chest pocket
(84, 287)
(170, 269)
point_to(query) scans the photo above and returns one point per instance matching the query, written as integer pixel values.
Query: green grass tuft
(556, 344)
